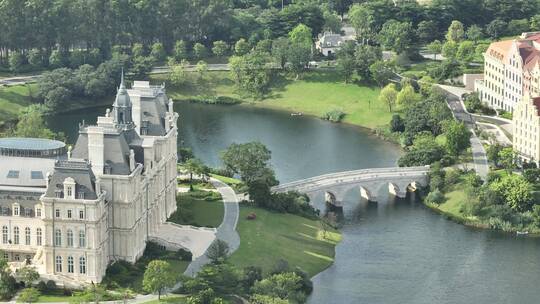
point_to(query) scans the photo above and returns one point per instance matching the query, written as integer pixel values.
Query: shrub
(435, 197)
(184, 255)
(42, 286)
(397, 124)
(334, 115)
(251, 216)
(51, 285)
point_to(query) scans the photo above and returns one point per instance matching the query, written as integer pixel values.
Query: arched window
(82, 265)
(69, 238)
(38, 236)
(58, 263)
(16, 235)
(70, 264)
(82, 239)
(5, 235)
(58, 237)
(27, 236)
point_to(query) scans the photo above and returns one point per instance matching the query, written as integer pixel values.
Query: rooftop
(21, 143)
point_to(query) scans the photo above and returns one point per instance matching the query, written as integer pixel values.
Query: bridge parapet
(369, 181)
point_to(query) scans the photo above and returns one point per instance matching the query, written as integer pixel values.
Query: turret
(122, 107)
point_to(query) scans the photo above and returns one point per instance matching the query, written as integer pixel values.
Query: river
(393, 251)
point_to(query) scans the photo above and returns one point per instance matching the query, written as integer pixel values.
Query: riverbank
(273, 237)
(316, 93)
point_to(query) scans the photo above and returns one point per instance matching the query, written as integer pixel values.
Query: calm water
(393, 251)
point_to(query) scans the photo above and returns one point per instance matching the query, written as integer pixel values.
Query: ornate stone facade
(100, 202)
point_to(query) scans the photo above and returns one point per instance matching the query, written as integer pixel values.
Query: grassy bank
(13, 99)
(275, 236)
(318, 92)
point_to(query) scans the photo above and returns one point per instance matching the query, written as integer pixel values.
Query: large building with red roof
(511, 71)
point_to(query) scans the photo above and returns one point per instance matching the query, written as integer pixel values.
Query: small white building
(329, 43)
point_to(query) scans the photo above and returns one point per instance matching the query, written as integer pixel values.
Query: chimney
(131, 160)
(96, 153)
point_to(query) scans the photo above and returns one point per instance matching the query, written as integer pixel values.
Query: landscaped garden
(198, 208)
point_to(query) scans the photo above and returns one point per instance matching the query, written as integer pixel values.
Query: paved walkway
(227, 230)
(460, 113)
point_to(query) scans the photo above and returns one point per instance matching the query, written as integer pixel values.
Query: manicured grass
(227, 180)
(199, 208)
(318, 92)
(13, 99)
(275, 236)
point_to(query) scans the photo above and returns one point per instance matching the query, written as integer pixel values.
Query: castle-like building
(71, 212)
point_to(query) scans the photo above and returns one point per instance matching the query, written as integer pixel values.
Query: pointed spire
(122, 85)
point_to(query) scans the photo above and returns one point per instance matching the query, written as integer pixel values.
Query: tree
(241, 47)
(518, 26)
(29, 275)
(29, 295)
(35, 58)
(158, 276)
(474, 33)
(76, 58)
(362, 19)
(456, 32)
(365, 56)
(180, 50)
(178, 75)
(397, 36)
(280, 50)
(7, 282)
(16, 61)
(388, 96)
(250, 73)
(346, 62)
(199, 50)
(194, 166)
(496, 28)
(493, 153)
(220, 48)
(332, 23)
(284, 286)
(535, 22)
(32, 124)
(382, 71)
(218, 251)
(507, 158)
(301, 35)
(298, 57)
(426, 31)
(397, 124)
(407, 96)
(249, 160)
(465, 52)
(158, 52)
(457, 137)
(57, 59)
(515, 190)
(435, 48)
(449, 49)
(137, 50)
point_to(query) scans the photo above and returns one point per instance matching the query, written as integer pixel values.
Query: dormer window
(16, 209)
(69, 188)
(107, 169)
(58, 193)
(80, 195)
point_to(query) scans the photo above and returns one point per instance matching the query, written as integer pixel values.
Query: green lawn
(315, 94)
(275, 236)
(13, 99)
(199, 208)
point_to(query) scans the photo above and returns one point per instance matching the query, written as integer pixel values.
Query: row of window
(69, 238)
(16, 236)
(59, 265)
(69, 214)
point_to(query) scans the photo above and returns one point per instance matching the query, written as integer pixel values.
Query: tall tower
(122, 107)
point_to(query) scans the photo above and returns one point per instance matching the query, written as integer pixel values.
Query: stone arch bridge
(369, 182)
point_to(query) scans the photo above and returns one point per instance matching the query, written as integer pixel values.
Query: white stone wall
(526, 124)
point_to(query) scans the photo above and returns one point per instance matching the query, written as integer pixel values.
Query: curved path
(227, 230)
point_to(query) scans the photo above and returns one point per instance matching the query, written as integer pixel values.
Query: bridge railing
(395, 171)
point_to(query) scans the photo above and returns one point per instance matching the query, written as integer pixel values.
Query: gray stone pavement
(453, 98)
